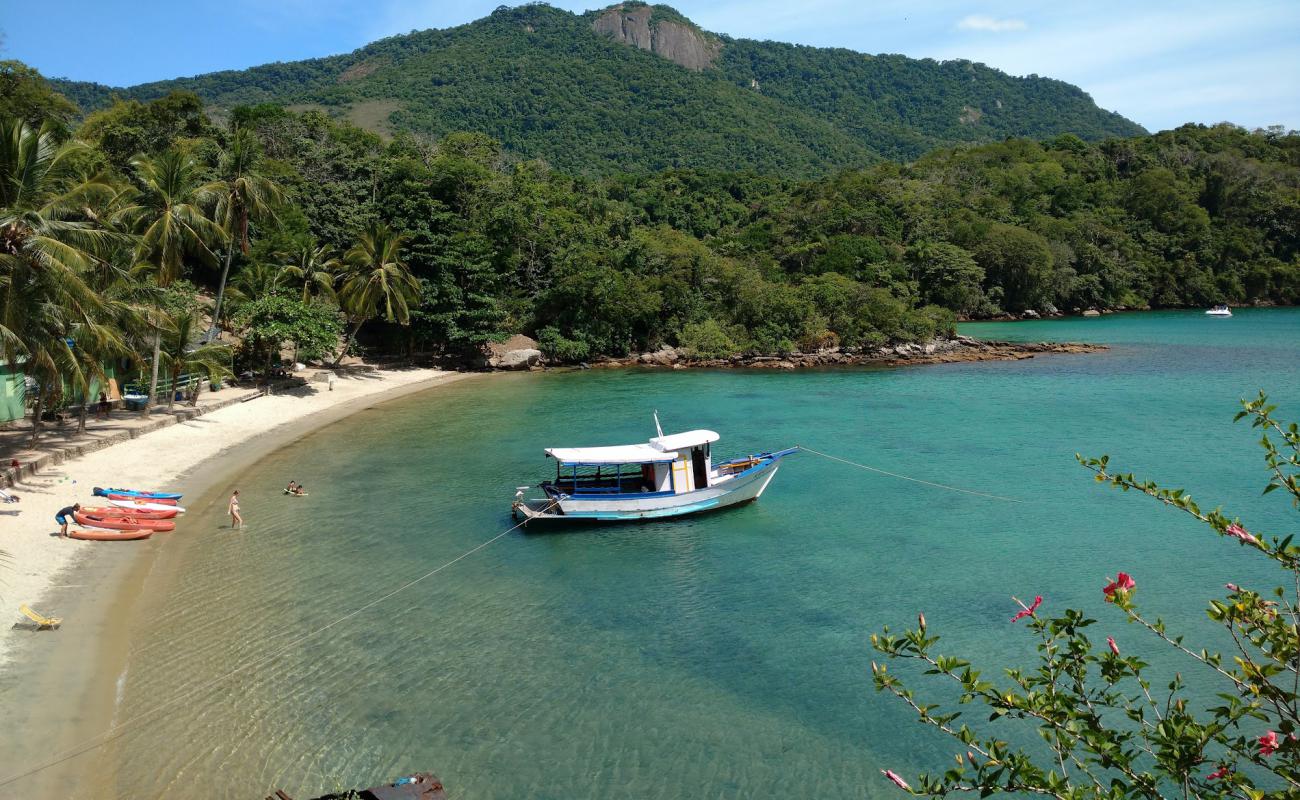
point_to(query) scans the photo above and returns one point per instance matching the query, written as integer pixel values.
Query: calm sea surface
(723, 656)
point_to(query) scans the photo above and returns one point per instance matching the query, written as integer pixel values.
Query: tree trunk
(153, 381)
(171, 393)
(347, 344)
(221, 288)
(198, 387)
(81, 419)
(36, 417)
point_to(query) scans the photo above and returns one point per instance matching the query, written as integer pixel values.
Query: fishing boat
(668, 476)
(1220, 310)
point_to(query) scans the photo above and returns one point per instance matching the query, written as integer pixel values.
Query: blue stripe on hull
(658, 513)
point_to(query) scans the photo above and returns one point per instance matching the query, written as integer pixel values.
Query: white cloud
(982, 22)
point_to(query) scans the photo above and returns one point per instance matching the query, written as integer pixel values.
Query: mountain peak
(660, 30)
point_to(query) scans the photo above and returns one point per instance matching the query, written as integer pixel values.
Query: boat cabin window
(610, 479)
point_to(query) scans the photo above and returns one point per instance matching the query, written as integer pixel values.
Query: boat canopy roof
(683, 441)
(617, 454)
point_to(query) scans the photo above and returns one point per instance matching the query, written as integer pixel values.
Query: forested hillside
(548, 85)
(717, 262)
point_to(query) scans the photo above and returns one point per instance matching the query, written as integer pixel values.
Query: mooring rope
(116, 731)
(908, 478)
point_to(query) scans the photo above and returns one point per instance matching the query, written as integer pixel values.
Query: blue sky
(1159, 63)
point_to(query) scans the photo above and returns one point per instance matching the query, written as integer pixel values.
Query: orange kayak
(94, 535)
(130, 523)
(142, 513)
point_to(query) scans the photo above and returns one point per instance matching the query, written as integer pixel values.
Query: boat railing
(628, 487)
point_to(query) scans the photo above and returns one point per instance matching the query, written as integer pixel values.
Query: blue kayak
(133, 493)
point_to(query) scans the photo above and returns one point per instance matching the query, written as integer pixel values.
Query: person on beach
(102, 409)
(236, 521)
(64, 516)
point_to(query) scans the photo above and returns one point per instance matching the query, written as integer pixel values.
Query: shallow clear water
(722, 656)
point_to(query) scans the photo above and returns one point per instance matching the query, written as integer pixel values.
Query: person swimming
(292, 488)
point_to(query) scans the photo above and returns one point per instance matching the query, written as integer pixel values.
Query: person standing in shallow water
(236, 521)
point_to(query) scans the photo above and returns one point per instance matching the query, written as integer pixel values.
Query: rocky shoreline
(937, 351)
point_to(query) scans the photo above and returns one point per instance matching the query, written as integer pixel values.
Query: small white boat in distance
(1221, 310)
(668, 476)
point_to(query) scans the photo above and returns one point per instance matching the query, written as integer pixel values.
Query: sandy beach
(40, 560)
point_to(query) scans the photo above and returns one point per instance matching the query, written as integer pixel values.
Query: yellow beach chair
(41, 622)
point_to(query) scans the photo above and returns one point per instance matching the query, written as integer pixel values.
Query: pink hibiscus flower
(893, 776)
(1123, 583)
(1268, 744)
(1237, 532)
(1027, 610)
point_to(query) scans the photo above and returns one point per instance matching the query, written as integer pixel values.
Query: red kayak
(94, 535)
(142, 513)
(131, 523)
(132, 498)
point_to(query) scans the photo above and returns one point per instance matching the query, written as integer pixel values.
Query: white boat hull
(743, 488)
(146, 506)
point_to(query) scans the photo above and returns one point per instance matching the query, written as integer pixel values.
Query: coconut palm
(376, 281)
(168, 213)
(47, 248)
(315, 267)
(92, 345)
(182, 355)
(243, 194)
(258, 280)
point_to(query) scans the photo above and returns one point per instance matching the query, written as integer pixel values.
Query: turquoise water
(721, 656)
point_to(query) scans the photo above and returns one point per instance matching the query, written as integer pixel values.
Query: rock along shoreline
(957, 349)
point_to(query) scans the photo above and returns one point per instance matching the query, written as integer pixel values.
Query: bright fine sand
(39, 559)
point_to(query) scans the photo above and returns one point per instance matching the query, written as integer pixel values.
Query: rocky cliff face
(636, 26)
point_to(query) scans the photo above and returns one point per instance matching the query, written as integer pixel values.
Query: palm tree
(243, 194)
(47, 248)
(212, 361)
(168, 214)
(258, 280)
(316, 268)
(376, 281)
(92, 345)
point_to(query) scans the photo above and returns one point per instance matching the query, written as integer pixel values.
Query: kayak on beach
(132, 511)
(135, 493)
(144, 505)
(102, 535)
(162, 501)
(124, 523)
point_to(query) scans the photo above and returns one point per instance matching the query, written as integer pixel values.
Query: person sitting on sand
(292, 488)
(236, 521)
(64, 516)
